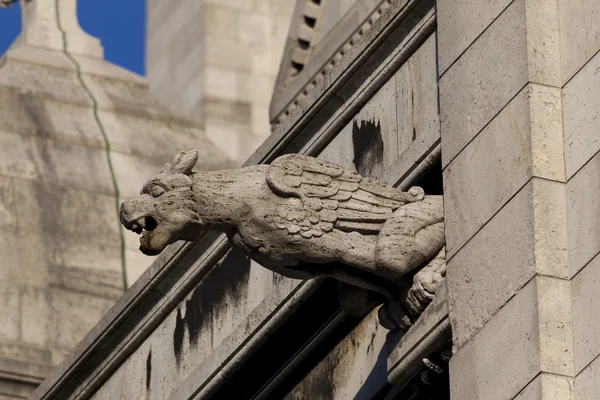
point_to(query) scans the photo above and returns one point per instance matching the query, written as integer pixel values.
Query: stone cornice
(292, 89)
(343, 90)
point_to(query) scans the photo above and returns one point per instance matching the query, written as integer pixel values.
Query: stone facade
(519, 195)
(495, 108)
(66, 117)
(217, 61)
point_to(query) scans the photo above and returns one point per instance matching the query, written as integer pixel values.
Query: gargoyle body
(302, 217)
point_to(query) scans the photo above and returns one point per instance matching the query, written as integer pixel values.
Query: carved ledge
(428, 335)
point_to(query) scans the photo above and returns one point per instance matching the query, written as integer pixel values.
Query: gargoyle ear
(184, 162)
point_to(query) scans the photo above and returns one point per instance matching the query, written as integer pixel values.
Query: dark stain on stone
(178, 334)
(368, 147)
(223, 287)
(319, 383)
(148, 370)
(371, 342)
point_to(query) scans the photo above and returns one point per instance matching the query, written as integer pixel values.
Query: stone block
(586, 383)
(24, 256)
(477, 370)
(72, 316)
(260, 121)
(492, 267)
(17, 160)
(226, 135)
(244, 5)
(487, 173)
(273, 7)
(484, 80)
(137, 263)
(543, 42)
(354, 369)
(547, 144)
(192, 95)
(220, 19)
(132, 172)
(555, 325)
(340, 150)
(113, 387)
(374, 132)
(581, 103)
(583, 210)
(460, 23)
(35, 316)
(551, 232)
(579, 41)
(258, 89)
(548, 387)
(187, 70)
(586, 314)
(56, 160)
(74, 125)
(21, 204)
(255, 29)
(222, 83)
(266, 60)
(10, 318)
(26, 78)
(226, 52)
(416, 92)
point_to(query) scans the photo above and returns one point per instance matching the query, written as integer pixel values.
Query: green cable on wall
(106, 144)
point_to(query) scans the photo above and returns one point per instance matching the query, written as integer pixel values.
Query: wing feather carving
(332, 197)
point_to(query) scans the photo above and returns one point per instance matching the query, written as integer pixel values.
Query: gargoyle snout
(133, 212)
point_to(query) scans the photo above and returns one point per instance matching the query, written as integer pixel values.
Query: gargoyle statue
(303, 217)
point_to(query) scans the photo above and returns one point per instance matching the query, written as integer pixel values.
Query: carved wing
(332, 197)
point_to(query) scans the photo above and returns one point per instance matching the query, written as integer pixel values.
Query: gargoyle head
(165, 211)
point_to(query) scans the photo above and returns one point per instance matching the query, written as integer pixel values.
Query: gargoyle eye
(156, 191)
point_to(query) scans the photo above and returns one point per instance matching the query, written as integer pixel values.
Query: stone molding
(296, 86)
(343, 90)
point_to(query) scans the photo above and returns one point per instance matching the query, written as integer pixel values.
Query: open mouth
(147, 223)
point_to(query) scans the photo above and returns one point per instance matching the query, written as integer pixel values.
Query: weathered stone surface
(578, 43)
(460, 23)
(546, 130)
(480, 84)
(355, 368)
(416, 92)
(68, 328)
(488, 172)
(549, 387)
(481, 277)
(586, 383)
(208, 326)
(586, 314)
(550, 224)
(580, 99)
(10, 319)
(555, 325)
(583, 206)
(543, 42)
(511, 334)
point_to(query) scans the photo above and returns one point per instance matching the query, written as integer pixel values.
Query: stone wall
(217, 61)
(203, 322)
(519, 140)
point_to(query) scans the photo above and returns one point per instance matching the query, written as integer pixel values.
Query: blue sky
(120, 25)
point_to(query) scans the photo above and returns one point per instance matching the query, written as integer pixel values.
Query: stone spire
(48, 23)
